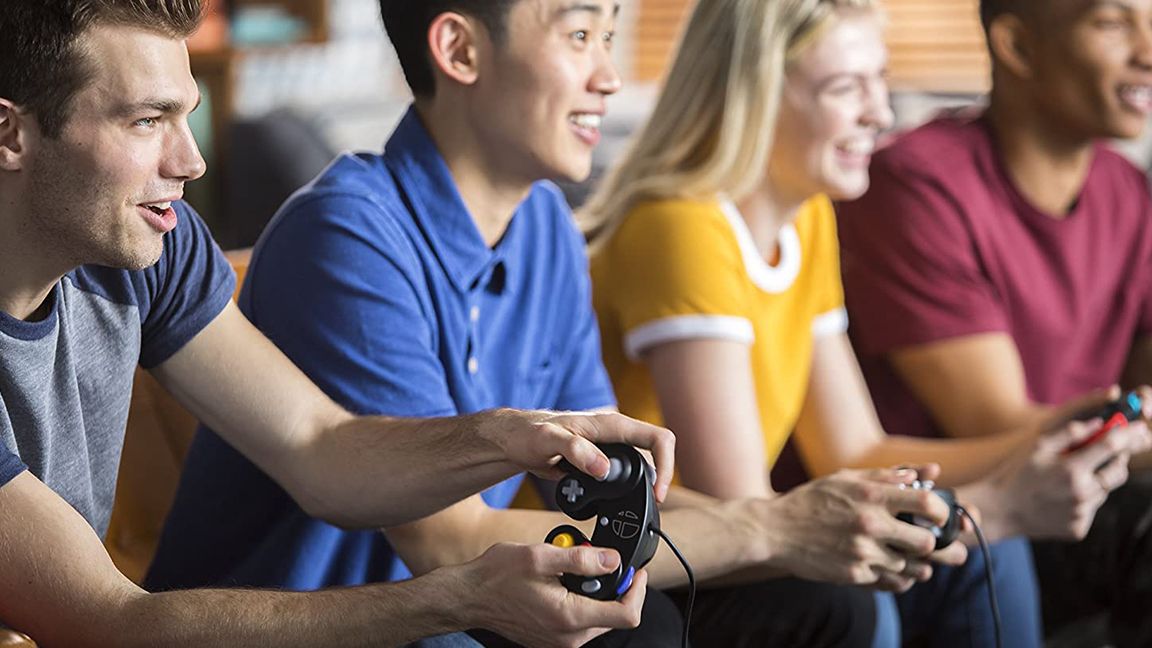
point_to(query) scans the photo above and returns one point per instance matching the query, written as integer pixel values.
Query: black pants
(780, 612)
(1110, 571)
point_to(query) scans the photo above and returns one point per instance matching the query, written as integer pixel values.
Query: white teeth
(1139, 96)
(858, 147)
(162, 206)
(591, 122)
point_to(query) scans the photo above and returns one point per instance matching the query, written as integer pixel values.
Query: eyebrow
(586, 7)
(1118, 4)
(164, 106)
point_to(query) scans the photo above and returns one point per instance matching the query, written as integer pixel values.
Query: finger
(658, 440)
(625, 613)
(1114, 442)
(909, 539)
(955, 554)
(1145, 394)
(1079, 405)
(919, 570)
(889, 582)
(896, 476)
(928, 472)
(1114, 474)
(576, 448)
(923, 503)
(584, 561)
(1069, 434)
(633, 600)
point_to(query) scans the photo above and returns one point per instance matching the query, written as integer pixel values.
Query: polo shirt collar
(441, 214)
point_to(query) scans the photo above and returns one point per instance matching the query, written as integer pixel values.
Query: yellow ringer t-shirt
(680, 269)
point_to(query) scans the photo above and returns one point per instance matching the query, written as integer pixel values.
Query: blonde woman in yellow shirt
(717, 284)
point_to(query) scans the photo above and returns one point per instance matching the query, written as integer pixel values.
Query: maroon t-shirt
(943, 246)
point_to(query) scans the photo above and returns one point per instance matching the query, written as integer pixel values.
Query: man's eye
(145, 122)
(580, 35)
(609, 36)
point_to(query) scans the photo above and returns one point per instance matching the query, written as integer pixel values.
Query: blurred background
(290, 83)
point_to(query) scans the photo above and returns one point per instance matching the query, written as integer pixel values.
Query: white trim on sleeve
(687, 327)
(833, 322)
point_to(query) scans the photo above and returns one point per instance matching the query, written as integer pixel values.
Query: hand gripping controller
(1115, 414)
(625, 512)
(944, 534)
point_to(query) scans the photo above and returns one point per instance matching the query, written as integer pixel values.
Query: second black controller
(946, 533)
(626, 516)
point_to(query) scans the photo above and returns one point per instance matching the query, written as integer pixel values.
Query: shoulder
(671, 220)
(1112, 168)
(935, 147)
(356, 198)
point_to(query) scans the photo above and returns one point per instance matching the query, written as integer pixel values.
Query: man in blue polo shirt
(442, 278)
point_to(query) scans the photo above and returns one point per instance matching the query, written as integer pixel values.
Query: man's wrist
(757, 540)
(489, 431)
(448, 600)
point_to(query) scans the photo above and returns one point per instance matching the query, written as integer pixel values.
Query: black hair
(407, 23)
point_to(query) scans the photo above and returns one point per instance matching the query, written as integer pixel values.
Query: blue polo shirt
(376, 282)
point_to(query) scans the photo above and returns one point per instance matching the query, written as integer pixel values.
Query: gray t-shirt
(66, 381)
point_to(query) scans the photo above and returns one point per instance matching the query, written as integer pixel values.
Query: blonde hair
(713, 126)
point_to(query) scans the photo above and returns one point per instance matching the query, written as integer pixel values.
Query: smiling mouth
(1137, 97)
(586, 121)
(158, 208)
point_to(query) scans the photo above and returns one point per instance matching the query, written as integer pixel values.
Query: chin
(848, 190)
(143, 256)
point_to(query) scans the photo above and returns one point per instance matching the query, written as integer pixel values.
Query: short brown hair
(43, 67)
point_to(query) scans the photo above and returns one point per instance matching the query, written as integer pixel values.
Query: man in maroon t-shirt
(1002, 263)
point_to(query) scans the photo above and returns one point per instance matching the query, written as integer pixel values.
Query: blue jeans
(952, 609)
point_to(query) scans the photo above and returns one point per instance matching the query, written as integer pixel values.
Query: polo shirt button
(473, 365)
(474, 314)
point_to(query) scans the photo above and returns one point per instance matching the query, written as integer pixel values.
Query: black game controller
(626, 516)
(1116, 414)
(945, 534)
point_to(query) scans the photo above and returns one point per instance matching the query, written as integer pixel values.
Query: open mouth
(587, 126)
(159, 209)
(1137, 97)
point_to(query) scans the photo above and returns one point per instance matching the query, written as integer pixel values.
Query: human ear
(1010, 41)
(452, 44)
(12, 124)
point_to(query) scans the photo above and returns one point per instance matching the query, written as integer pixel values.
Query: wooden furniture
(156, 441)
(935, 45)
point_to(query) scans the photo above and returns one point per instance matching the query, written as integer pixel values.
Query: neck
(766, 212)
(27, 274)
(1048, 167)
(490, 190)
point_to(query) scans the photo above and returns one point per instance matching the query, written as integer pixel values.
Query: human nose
(605, 79)
(1142, 47)
(877, 107)
(182, 159)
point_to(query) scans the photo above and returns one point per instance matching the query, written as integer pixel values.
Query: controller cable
(987, 574)
(691, 583)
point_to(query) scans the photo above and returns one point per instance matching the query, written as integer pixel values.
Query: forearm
(377, 471)
(961, 460)
(378, 615)
(716, 540)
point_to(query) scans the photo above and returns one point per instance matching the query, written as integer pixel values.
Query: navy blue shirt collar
(427, 184)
